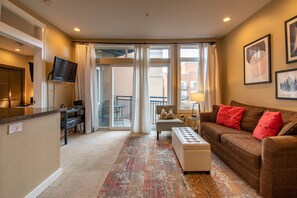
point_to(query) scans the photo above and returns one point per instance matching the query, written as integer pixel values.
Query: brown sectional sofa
(270, 165)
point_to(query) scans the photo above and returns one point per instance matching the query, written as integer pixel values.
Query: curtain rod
(129, 43)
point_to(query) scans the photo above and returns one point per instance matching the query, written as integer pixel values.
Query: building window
(188, 74)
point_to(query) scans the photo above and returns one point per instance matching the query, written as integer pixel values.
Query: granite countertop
(17, 114)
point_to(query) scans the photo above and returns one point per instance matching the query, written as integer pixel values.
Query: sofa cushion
(230, 116)
(246, 148)
(269, 125)
(214, 113)
(250, 117)
(214, 131)
(166, 125)
(289, 129)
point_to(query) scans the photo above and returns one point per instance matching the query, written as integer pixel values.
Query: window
(159, 77)
(114, 52)
(116, 74)
(159, 74)
(159, 53)
(188, 74)
(193, 84)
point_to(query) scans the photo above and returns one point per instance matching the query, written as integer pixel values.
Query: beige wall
(269, 20)
(18, 60)
(58, 44)
(34, 155)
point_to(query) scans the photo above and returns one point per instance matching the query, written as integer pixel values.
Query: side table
(194, 123)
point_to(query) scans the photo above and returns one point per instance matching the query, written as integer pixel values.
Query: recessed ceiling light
(227, 19)
(76, 29)
(17, 49)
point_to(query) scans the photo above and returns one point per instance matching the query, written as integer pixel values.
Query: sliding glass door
(115, 75)
(104, 93)
(122, 96)
(115, 83)
(115, 96)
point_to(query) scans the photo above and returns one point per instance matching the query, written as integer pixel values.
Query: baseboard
(41, 187)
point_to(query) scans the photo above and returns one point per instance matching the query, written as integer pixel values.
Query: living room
(115, 53)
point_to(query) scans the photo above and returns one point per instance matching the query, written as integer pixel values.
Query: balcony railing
(127, 102)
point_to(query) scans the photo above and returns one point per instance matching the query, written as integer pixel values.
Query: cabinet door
(4, 87)
(16, 87)
(11, 87)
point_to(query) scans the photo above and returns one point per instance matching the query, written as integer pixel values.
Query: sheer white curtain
(141, 97)
(85, 84)
(208, 75)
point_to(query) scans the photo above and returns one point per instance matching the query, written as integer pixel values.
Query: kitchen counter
(8, 115)
(29, 150)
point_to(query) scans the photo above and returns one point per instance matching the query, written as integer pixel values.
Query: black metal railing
(126, 101)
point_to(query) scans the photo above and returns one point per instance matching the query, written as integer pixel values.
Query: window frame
(162, 62)
(179, 61)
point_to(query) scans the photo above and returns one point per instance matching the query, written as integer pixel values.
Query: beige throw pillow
(163, 114)
(170, 114)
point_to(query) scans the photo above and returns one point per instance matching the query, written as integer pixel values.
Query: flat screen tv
(64, 70)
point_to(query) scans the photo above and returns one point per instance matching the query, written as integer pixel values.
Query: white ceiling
(126, 19)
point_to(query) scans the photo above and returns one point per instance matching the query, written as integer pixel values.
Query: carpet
(146, 167)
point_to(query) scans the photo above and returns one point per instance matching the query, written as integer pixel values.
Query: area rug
(146, 167)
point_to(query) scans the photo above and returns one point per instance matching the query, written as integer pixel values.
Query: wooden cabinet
(11, 86)
(71, 118)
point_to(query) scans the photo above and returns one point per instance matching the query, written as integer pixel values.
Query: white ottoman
(192, 151)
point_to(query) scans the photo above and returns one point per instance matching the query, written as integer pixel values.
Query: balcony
(123, 111)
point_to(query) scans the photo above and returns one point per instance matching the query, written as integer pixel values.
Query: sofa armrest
(205, 116)
(279, 167)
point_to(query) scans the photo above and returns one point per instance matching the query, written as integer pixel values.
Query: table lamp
(197, 97)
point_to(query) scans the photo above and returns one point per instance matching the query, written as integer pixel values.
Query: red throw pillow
(269, 125)
(230, 116)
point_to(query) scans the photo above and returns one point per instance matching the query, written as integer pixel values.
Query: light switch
(15, 128)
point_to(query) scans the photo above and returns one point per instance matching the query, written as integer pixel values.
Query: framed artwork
(286, 84)
(291, 40)
(257, 68)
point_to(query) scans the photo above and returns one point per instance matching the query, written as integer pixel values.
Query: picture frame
(286, 84)
(291, 40)
(257, 61)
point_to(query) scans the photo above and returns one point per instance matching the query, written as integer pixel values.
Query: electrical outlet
(15, 128)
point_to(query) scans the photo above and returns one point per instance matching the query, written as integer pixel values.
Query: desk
(194, 123)
(71, 118)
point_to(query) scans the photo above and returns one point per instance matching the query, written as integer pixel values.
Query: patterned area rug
(146, 167)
